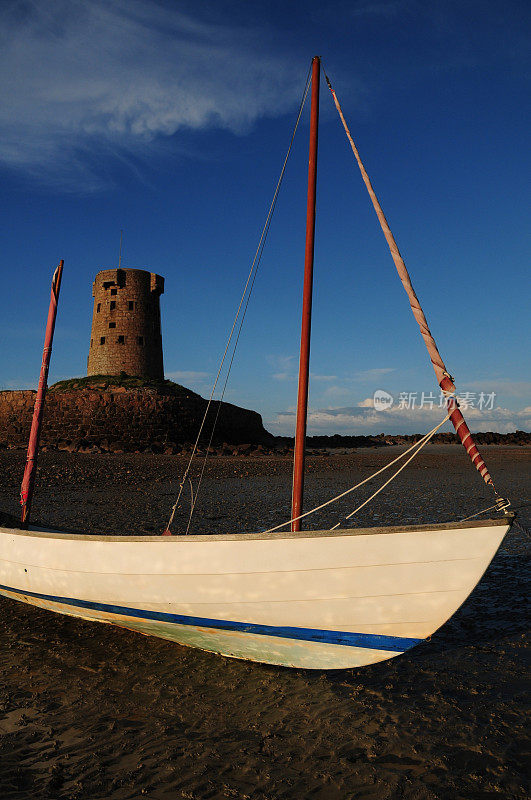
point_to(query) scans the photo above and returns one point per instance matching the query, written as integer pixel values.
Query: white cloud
(363, 419)
(89, 77)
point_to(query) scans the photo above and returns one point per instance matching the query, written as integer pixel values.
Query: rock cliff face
(102, 417)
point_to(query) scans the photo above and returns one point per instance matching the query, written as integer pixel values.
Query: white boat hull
(318, 600)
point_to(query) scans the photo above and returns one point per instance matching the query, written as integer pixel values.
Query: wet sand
(89, 711)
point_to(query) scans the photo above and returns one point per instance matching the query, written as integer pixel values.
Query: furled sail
(444, 378)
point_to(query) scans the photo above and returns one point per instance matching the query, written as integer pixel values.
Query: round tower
(126, 334)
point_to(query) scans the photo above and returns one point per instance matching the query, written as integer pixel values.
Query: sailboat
(316, 599)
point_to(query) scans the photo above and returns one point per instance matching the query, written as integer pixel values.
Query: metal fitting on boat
(502, 504)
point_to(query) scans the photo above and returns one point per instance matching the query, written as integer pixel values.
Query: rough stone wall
(126, 333)
(122, 419)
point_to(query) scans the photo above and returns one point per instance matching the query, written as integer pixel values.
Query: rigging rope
(415, 446)
(416, 452)
(244, 302)
(501, 505)
(445, 380)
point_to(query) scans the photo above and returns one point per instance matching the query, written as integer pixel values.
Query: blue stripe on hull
(373, 641)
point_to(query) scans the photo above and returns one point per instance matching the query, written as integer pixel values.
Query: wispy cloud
(85, 79)
(286, 369)
(200, 382)
(17, 383)
(187, 375)
(283, 366)
(503, 386)
(373, 374)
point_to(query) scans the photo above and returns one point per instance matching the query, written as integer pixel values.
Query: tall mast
(26, 491)
(304, 361)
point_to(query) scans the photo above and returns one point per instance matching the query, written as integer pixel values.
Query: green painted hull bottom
(233, 644)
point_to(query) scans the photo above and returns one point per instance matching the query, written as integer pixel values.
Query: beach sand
(90, 711)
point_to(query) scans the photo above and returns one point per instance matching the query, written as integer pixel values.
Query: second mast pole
(28, 481)
(304, 361)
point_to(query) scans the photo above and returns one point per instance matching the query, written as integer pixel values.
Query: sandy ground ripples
(88, 711)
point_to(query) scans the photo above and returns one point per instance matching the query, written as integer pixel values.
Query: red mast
(26, 490)
(304, 362)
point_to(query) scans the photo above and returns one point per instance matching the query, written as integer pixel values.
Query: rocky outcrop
(119, 418)
(86, 415)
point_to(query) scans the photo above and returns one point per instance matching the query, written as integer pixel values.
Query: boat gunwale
(40, 532)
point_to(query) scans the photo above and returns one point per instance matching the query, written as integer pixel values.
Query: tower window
(131, 305)
(113, 291)
(113, 305)
(102, 340)
(98, 308)
(140, 339)
(91, 342)
(121, 340)
(112, 324)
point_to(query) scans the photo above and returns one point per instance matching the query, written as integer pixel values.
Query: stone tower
(126, 334)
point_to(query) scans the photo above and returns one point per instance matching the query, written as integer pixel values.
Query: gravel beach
(90, 711)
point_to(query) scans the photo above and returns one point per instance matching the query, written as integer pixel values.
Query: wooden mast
(304, 362)
(26, 491)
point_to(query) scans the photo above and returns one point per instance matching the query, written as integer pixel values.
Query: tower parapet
(126, 332)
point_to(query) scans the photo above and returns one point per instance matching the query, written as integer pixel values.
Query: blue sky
(170, 120)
